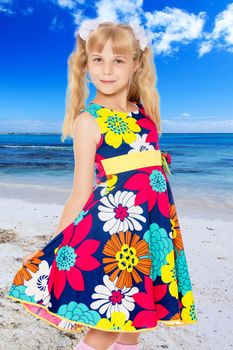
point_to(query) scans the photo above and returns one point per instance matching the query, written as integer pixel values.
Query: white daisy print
(69, 325)
(37, 286)
(120, 212)
(111, 299)
(140, 144)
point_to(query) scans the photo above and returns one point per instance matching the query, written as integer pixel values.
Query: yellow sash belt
(131, 161)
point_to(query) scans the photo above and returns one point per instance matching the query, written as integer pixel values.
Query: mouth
(108, 81)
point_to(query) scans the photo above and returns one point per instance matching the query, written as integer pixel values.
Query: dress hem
(167, 323)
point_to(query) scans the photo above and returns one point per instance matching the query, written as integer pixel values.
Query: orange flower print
(24, 272)
(176, 233)
(127, 254)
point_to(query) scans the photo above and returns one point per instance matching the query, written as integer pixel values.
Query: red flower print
(150, 302)
(148, 124)
(99, 167)
(90, 202)
(121, 212)
(143, 182)
(72, 257)
(167, 156)
(116, 296)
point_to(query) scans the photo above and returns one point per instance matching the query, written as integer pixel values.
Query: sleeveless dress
(120, 266)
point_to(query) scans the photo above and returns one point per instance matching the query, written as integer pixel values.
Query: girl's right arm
(85, 140)
(84, 144)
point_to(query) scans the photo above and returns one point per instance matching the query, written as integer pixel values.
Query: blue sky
(193, 48)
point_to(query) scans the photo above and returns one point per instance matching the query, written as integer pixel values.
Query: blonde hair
(142, 88)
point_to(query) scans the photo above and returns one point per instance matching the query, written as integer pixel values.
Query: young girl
(116, 262)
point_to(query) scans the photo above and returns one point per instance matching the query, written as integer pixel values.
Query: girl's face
(110, 73)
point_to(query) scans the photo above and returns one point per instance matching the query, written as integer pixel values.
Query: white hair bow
(90, 24)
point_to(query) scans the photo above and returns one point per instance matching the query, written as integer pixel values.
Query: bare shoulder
(87, 125)
(84, 119)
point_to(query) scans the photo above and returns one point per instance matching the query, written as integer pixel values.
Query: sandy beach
(26, 225)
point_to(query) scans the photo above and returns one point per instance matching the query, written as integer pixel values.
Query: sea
(40, 167)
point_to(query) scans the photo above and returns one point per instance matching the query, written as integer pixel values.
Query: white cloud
(5, 2)
(222, 35)
(66, 3)
(70, 4)
(119, 9)
(174, 25)
(224, 25)
(165, 27)
(195, 124)
(169, 28)
(205, 47)
(30, 125)
(27, 11)
(5, 6)
(198, 124)
(186, 114)
(78, 17)
(56, 24)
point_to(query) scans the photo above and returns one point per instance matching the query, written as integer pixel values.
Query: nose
(107, 68)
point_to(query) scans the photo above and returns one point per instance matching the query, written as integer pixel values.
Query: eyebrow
(97, 54)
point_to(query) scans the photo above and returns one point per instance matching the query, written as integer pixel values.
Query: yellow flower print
(168, 274)
(55, 250)
(108, 185)
(117, 126)
(127, 258)
(188, 312)
(117, 321)
(111, 182)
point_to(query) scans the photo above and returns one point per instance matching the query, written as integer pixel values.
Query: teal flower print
(158, 181)
(80, 216)
(79, 312)
(92, 109)
(65, 258)
(19, 293)
(184, 283)
(160, 244)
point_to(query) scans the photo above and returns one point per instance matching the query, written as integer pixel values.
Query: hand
(27, 257)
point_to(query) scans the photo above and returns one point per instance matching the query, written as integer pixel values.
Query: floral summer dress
(121, 265)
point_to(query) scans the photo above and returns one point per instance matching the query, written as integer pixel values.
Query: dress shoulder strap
(91, 108)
